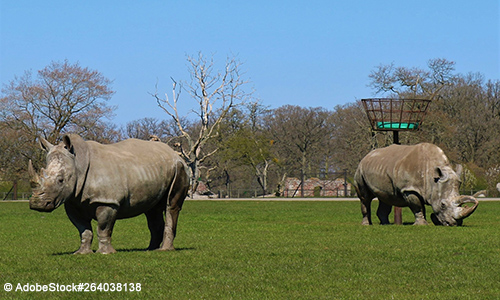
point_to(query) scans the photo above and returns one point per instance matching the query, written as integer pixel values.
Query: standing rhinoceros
(412, 176)
(110, 182)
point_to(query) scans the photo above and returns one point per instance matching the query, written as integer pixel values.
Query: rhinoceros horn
(34, 179)
(482, 193)
(466, 210)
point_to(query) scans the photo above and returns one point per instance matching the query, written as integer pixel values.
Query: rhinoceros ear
(441, 174)
(68, 145)
(45, 145)
(78, 147)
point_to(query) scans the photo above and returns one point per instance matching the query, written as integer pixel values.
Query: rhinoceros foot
(420, 222)
(83, 251)
(106, 250)
(168, 248)
(366, 222)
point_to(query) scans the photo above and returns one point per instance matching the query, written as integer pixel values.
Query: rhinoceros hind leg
(172, 216)
(174, 205)
(366, 211)
(156, 225)
(366, 202)
(383, 212)
(106, 217)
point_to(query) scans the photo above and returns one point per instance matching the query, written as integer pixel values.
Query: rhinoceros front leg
(106, 217)
(417, 207)
(383, 212)
(419, 212)
(83, 224)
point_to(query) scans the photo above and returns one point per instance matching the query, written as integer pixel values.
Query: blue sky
(309, 53)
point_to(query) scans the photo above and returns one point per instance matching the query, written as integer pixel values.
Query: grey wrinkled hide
(411, 176)
(110, 182)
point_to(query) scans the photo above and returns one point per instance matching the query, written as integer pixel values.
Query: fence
(240, 193)
(291, 193)
(10, 196)
(317, 192)
(287, 193)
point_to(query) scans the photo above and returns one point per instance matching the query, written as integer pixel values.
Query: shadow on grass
(128, 250)
(145, 250)
(430, 224)
(392, 224)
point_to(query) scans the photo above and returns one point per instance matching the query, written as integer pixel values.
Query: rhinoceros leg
(417, 207)
(174, 205)
(383, 212)
(106, 217)
(156, 225)
(366, 212)
(83, 225)
(419, 217)
(366, 200)
(171, 215)
(366, 197)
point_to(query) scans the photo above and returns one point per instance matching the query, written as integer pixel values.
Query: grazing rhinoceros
(412, 176)
(110, 182)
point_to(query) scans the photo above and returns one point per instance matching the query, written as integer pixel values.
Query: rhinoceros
(110, 182)
(412, 176)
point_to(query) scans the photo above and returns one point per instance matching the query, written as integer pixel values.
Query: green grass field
(259, 250)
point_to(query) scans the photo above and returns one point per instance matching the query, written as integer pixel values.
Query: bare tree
(147, 127)
(299, 134)
(215, 94)
(247, 143)
(259, 153)
(413, 82)
(352, 136)
(62, 97)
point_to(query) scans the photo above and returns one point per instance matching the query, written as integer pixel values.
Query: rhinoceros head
(59, 181)
(450, 208)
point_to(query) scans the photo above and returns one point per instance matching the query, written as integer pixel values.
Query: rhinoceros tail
(172, 184)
